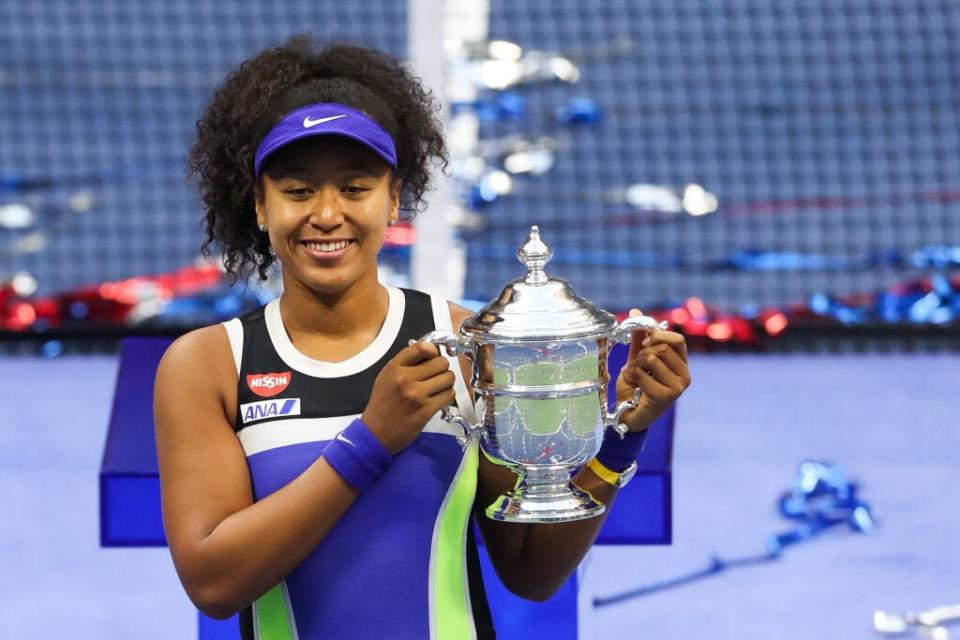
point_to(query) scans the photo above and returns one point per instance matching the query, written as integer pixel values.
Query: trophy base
(544, 495)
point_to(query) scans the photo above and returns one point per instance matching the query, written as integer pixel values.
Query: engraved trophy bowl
(539, 376)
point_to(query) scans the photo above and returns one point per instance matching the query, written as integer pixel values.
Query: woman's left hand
(657, 365)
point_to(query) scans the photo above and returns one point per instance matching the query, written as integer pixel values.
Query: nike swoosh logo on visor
(307, 122)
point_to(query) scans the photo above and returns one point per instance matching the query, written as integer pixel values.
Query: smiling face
(326, 202)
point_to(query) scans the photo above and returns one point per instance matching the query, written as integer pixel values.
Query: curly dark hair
(257, 94)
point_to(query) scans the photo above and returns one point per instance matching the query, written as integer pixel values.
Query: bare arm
(534, 560)
(228, 550)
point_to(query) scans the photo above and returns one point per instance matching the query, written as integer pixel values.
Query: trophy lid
(536, 307)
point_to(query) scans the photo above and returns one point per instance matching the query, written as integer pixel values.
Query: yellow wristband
(605, 474)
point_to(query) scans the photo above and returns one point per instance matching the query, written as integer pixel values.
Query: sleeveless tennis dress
(402, 561)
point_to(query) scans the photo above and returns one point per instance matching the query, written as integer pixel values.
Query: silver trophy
(539, 374)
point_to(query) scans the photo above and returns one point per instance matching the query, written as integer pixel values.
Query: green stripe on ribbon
(272, 616)
(450, 599)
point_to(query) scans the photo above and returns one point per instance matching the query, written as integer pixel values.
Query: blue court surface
(742, 430)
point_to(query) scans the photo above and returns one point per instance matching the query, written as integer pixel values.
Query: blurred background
(778, 180)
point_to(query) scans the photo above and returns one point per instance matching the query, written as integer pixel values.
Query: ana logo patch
(267, 385)
(253, 411)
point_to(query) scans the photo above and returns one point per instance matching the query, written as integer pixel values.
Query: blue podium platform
(130, 499)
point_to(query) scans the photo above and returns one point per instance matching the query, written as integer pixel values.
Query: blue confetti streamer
(822, 497)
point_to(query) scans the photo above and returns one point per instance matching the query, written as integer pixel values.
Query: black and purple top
(402, 561)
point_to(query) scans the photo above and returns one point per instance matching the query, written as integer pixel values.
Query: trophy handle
(624, 334)
(454, 345)
(624, 331)
(613, 419)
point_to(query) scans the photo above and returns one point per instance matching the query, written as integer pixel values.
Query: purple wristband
(617, 454)
(357, 455)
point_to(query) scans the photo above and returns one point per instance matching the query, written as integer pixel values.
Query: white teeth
(327, 246)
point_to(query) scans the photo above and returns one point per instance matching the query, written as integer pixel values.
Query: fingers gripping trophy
(539, 374)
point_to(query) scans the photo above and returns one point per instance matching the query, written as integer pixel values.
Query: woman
(307, 479)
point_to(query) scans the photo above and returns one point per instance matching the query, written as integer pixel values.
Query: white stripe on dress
(235, 335)
(272, 434)
(370, 355)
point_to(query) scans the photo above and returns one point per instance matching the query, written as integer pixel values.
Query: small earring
(392, 223)
(262, 227)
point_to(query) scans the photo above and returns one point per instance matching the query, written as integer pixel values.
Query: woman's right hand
(414, 385)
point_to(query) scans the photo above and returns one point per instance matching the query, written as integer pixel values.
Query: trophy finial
(535, 254)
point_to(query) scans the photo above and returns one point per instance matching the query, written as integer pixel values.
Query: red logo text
(267, 385)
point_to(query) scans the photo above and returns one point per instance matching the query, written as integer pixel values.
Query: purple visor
(328, 118)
